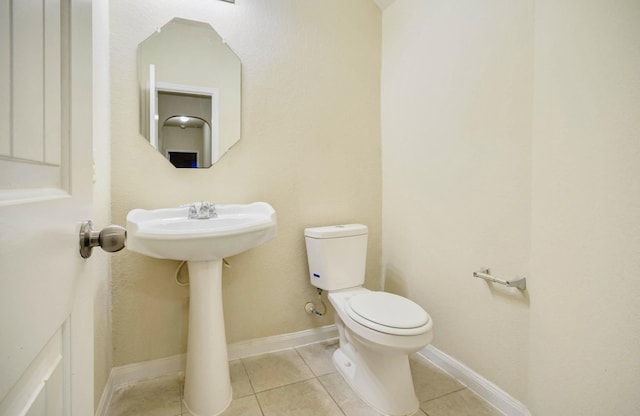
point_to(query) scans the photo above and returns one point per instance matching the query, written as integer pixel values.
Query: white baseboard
(133, 373)
(493, 394)
(105, 399)
(280, 342)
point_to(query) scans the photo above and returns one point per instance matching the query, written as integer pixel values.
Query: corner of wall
(101, 195)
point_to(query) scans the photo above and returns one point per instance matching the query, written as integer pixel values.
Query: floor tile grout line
(332, 398)
(486, 403)
(253, 390)
(315, 377)
(300, 382)
(444, 395)
(255, 396)
(288, 384)
(305, 362)
(285, 385)
(246, 373)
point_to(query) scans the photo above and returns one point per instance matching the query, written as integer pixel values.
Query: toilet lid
(388, 313)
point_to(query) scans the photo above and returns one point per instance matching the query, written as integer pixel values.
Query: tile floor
(302, 382)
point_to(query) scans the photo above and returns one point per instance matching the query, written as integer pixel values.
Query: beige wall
(585, 283)
(482, 165)
(310, 147)
(456, 110)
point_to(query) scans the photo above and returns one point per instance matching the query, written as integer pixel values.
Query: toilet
(377, 330)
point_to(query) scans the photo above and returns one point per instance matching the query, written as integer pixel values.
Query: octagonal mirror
(189, 82)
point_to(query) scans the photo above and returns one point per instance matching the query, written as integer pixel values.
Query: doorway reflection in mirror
(185, 135)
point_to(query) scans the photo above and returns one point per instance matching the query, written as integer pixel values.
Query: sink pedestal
(207, 386)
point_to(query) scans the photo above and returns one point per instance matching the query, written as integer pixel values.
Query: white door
(45, 194)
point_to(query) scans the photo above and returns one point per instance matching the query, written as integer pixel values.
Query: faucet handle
(212, 210)
(193, 212)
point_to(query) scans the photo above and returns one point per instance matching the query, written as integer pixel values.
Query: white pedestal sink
(203, 243)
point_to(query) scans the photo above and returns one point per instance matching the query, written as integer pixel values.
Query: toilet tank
(337, 255)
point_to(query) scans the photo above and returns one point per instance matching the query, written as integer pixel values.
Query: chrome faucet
(193, 212)
(207, 210)
(202, 211)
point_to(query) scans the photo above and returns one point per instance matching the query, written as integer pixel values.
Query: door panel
(40, 390)
(34, 89)
(45, 191)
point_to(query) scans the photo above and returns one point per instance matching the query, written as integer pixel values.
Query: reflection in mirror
(186, 128)
(186, 70)
(185, 141)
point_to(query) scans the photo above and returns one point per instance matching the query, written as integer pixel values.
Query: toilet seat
(387, 313)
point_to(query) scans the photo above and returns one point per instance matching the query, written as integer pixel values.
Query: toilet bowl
(375, 362)
(377, 330)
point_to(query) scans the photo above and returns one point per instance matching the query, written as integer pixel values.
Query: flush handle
(111, 238)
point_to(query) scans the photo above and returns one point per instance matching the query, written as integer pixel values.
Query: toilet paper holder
(518, 282)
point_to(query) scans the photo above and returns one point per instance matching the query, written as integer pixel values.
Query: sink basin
(168, 233)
